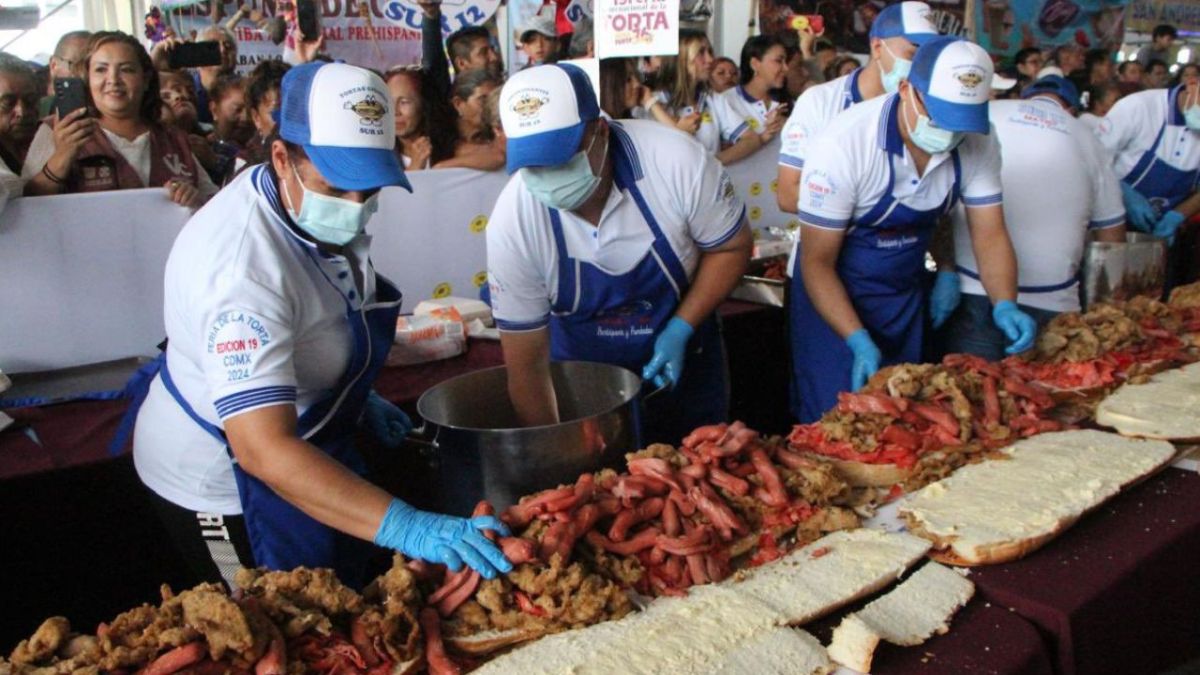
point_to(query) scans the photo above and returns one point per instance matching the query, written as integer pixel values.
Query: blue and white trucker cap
(954, 77)
(342, 116)
(1054, 84)
(909, 20)
(544, 111)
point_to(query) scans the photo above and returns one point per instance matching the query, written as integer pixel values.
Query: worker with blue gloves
(278, 325)
(1153, 138)
(1041, 144)
(613, 242)
(875, 184)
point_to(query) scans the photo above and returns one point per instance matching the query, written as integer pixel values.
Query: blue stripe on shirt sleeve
(737, 132)
(519, 326)
(737, 225)
(1106, 223)
(821, 221)
(791, 160)
(983, 201)
(253, 398)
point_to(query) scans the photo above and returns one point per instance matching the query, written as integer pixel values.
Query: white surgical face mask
(331, 220)
(567, 186)
(930, 138)
(900, 69)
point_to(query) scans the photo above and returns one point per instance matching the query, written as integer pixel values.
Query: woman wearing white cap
(613, 242)
(277, 325)
(875, 183)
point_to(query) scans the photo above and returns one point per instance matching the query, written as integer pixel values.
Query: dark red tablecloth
(983, 638)
(1119, 592)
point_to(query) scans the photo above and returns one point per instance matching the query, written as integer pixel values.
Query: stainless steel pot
(482, 453)
(1114, 271)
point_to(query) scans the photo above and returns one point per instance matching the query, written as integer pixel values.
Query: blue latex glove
(1139, 212)
(1168, 225)
(867, 358)
(670, 347)
(387, 423)
(1017, 326)
(944, 297)
(449, 540)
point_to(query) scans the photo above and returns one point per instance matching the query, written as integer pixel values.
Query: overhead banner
(1144, 15)
(372, 33)
(636, 27)
(848, 24)
(1004, 27)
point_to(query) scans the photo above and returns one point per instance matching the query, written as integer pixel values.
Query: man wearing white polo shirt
(277, 325)
(895, 35)
(875, 184)
(1153, 138)
(1058, 188)
(613, 242)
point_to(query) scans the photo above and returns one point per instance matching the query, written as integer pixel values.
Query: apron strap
(567, 299)
(1146, 160)
(1048, 288)
(662, 248)
(213, 430)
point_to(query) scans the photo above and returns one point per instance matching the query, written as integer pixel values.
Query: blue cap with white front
(342, 116)
(544, 111)
(954, 77)
(909, 20)
(1054, 84)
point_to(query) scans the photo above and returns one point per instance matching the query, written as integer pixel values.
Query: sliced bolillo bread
(915, 610)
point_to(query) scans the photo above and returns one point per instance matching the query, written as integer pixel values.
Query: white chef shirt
(814, 110)
(709, 135)
(738, 112)
(686, 188)
(136, 152)
(846, 171)
(1130, 127)
(1057, 186)
(255, 316)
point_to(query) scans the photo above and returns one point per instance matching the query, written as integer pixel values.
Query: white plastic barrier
(81, 276)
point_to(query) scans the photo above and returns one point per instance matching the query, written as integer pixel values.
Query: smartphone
(195, 55)
(69, 95)
(308, 19)
(815, 22)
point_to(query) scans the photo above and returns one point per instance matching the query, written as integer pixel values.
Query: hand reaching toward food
(666, 366)
(449, 540)
(867, 358)
(1018, 327)
(386, 422)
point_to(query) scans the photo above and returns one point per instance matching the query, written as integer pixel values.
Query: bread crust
(1002, 552)
(483, 644)
(862, 474)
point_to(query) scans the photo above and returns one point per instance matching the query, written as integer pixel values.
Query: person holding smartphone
(116, 141)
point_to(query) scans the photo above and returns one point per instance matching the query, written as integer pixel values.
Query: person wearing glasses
(875, 183)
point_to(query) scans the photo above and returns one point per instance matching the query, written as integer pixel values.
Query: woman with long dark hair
(748, 116)
(118, 141)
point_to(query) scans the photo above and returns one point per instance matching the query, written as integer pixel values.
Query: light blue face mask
(900, 69)
(567, 186)
(330, 220)
(930, 138)
(1191, 117)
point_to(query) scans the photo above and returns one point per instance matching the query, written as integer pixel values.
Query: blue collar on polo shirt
(889, 126)
(1174, 114)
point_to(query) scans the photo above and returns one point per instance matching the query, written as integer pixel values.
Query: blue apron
(882, 265)
(614, 318)
(282, 536)
(1164, 185)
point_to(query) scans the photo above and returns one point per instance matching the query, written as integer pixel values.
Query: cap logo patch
(528, 104)
(370, 110)
(969, 79)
